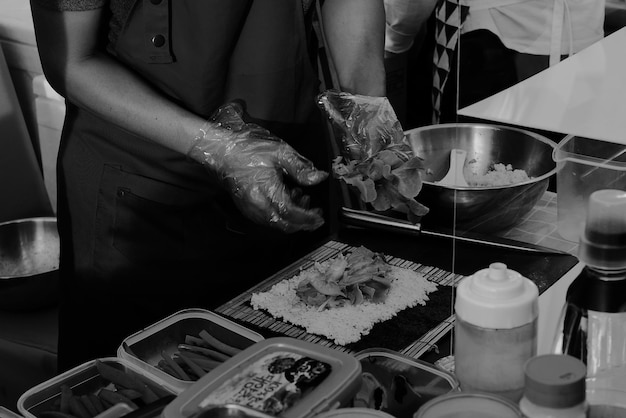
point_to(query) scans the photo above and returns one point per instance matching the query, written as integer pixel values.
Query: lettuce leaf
(389, 179)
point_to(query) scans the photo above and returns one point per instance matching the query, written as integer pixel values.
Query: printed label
(271, 384)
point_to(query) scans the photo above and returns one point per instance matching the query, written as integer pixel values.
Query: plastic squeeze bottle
(495, 331)
(555, 387)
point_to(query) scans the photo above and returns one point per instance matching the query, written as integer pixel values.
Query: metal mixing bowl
(481, 209)
(29, 264)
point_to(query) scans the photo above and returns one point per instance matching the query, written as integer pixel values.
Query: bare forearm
(355, 31)
(77, 67)
(102, 86)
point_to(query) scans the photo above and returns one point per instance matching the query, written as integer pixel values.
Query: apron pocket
(144, 224)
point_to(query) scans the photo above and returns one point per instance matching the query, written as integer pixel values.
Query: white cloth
(404, 20)
(531, 26)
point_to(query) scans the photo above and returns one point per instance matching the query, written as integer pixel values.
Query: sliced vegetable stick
(55, 414)
(131, 394)
(66, 394)
(204, 351)
(166, 368)
(115, 397)
(197, 356)
(89, 406)
(217, 344)
(57, 403)
(199, 371)
(121, 378)
(97, 403)
(180, 373)
(77, 408)
(190, 339)
(106, 403)
(206, 363)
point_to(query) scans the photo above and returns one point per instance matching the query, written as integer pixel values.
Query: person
(406, 24)
(406, 31)
(193, 157)
(503, 42)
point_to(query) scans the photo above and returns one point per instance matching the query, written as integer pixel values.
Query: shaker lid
(603, 241)
(555, 381)
(497, 297)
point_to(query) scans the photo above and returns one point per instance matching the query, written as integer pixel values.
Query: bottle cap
(497, 297)
(603, 242)
(555, 381)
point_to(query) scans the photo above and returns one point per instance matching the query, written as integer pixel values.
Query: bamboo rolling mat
(240, 310)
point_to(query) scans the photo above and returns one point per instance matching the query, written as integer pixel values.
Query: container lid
(296, 378)
(7, 413)
(469, 404)
(603, 242)
(497, 297)
(354, 413)
(555, 381)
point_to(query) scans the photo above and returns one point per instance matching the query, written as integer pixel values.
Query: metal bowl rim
(537, 136)
(51, 219)
(24, 220)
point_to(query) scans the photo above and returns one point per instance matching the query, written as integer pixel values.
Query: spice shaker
(495, 330)
(555, 387)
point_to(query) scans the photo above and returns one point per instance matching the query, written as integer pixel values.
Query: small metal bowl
(29, 264)
(473, 208)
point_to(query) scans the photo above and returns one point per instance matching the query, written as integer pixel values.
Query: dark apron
(144, 231)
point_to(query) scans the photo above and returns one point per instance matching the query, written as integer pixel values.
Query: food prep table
(28, 340)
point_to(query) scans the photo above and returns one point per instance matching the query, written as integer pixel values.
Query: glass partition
(508, 210)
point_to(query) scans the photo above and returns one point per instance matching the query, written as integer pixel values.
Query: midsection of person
(526, 25)
(147, 231)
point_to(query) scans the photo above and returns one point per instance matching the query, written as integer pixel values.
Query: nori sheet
(410, 324)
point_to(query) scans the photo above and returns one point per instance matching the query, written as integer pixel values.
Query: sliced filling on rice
(333, 308)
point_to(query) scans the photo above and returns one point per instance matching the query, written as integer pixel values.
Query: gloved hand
(251, 162)
(364, 124)
(376, 159)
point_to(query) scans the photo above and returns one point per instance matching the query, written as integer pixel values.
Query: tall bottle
(592, 326)
(495, 331)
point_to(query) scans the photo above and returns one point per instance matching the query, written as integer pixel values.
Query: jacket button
(158, 40)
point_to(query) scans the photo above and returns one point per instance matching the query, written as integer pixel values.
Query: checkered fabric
(449, 17)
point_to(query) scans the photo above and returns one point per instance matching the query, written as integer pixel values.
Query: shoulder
(70, 5)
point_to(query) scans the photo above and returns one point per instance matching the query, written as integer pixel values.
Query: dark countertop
(451, 257)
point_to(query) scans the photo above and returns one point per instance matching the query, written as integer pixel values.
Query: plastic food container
(147, 348)
(469, 405)
(231, 411)
(404, 383)
(583, 166)
(7, 413)
(86, 380)
(286, 376)
(354, 413)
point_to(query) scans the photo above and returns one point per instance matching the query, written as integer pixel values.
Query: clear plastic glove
(364, 124)
(377, 161)
(251, 162)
